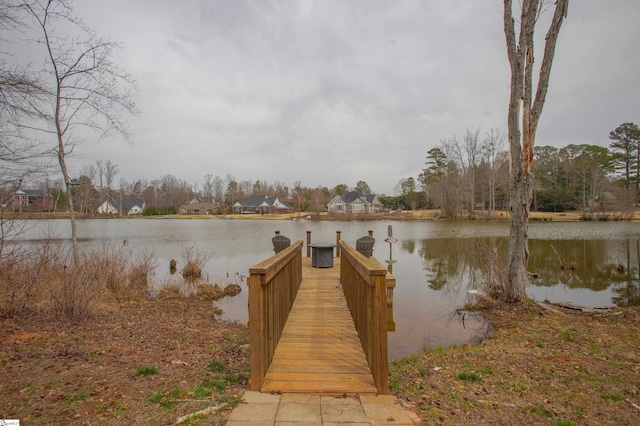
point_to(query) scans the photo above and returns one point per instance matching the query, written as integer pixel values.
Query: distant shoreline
(417, 215)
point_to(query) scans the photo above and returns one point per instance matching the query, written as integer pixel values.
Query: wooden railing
(364, 281)
(273, 285)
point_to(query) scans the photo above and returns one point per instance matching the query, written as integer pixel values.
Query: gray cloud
(335, 91)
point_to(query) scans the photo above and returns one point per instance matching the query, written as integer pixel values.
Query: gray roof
(350, 197)
(258, 200)
(35, 193)
(198, 206)
(130, 203)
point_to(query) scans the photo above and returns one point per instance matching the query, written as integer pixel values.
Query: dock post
(308, 242)
(370, 233)
(338, 243)
(277, 232)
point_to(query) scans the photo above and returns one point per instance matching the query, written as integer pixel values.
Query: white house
(127, 207)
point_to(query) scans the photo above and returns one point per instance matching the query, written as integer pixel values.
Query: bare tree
(110, 172)
(298, 191)
(21, 157)
(83, 187)
(218, 189)
(491, 146)
(520, 53)
(84, 86)
(207, 188)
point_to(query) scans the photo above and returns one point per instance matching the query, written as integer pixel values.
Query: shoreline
(405, 215)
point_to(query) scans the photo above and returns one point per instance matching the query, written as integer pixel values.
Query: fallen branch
(636, 406)
(558, 256)
(502, 404)
(548, 307)
(584, 310)
(200, 412)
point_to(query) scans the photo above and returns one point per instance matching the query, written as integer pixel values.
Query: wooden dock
(319, 351)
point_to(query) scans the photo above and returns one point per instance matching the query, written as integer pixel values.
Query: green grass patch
(469, 377)
(217, 366)
(235, 378)
(206, 388)
(486, 371)
(566, 335)
(613, 397)
(564, 422)
(147, 370)
(168, 400)
(75, 397)
(231, 400)
(539, 411)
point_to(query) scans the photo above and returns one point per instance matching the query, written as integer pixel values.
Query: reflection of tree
(446, 261)
(593, 261)
(409, 246)
(627, 293)
(628, 288)
(437, 275)
(450, 264)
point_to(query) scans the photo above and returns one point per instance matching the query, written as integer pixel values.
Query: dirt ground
(540, 367)
(152, 361)
(143, 362)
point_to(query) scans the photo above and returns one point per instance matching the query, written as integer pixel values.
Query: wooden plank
(319, 350)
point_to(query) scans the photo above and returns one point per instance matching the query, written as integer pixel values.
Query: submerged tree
(521, 134)
(84, 87)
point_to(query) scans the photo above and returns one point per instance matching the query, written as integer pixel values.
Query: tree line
(465, 175)
(462, 177)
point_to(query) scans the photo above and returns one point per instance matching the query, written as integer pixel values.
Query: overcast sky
(330, 92)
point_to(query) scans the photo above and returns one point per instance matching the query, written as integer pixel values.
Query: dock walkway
(319, 351)
(319, 374)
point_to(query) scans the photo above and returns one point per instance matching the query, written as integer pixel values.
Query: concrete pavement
(263, 409)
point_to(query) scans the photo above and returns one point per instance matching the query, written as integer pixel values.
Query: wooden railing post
(273, 286)
(308, 243)
(364, 281)
(338, 243)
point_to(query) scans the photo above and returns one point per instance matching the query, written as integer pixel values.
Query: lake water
(436, 262)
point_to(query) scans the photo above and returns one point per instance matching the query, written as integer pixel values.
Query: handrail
(364, 282)
(273, 286)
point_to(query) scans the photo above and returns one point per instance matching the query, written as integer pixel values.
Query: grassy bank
(539, 367)
(141, 362)
(152, 361)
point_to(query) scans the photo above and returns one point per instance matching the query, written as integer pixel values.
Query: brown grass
(45, 279)
(62, 373)
(539, 367)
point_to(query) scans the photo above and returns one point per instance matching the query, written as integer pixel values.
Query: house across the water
(197, 208)
(261, 204)
(355, 202)
(124, 207)
(31, 200)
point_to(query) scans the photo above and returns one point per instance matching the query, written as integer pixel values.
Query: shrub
(194, 261)
(45, 278)
(493, 269)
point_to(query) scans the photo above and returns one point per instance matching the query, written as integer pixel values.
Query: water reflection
(608, 269)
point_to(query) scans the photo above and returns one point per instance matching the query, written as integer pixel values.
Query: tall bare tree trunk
(521, 142)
